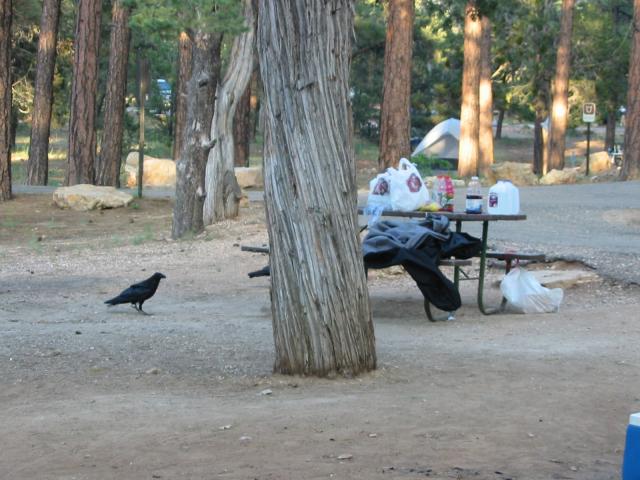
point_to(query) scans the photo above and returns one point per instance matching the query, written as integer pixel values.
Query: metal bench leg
(456, 269)
(483, 269)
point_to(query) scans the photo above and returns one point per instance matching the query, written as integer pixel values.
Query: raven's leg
(140, 308)
(133, 305)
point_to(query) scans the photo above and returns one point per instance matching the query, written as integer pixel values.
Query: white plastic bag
(379, 191)
(524, 293)
(408, 191)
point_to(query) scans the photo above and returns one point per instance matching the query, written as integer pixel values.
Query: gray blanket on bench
(418, 247)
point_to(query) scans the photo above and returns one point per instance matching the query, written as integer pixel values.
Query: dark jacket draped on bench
(418, 247)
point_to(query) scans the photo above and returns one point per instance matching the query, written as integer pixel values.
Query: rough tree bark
(82, 119)
(485, 133)
(196, 141)
(395, 116)
(5, 100)
(223, 193)
(242, 129)
(631, 161)
(108, 163)
(185, 56)
(38, 163)
(319, 300)
(560, 102)
(469, 150)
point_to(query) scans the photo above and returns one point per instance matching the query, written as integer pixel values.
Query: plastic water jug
(514, 198)
(503, 199)
(497, 202)
(631, 461)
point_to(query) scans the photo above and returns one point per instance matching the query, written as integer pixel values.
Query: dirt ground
(89, 392)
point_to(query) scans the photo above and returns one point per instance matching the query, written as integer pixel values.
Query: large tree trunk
(610, 131)
(319, 300)
(223, 193)
(395, 116)
(185, 55)
(469, 150)
(196, 141)
(560, 103)
(5, 100)
(242, 129)
(108, 165)
(82, 119)
(631, 161)
(38, 163)
(485, 135)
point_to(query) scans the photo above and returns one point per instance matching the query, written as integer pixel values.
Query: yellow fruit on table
(429, 207)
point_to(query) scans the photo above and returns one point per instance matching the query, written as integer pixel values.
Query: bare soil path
(89, 392)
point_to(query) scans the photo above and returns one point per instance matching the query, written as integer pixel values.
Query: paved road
(582, 222)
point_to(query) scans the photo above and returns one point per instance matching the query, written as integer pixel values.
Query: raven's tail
(114, 301)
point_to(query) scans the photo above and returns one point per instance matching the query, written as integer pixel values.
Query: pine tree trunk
(223, 192)
(610, 131)
(395, 115)
(84, 89)
(38, 163)
(485, 135)
(108, 164)
(499, 123)
(185, 55)
(560, 103)
(319, 300)
(5, 100)
(469, 150)
(196, 141)
(631, 160)
(538, 145)
(242, 129)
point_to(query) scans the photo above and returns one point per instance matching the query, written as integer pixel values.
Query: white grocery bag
(408, 191)
(524, 293)
(380, 191)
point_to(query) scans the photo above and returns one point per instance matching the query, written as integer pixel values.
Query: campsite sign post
(588, 116)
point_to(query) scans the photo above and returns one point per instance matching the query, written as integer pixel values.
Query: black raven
(138, 293)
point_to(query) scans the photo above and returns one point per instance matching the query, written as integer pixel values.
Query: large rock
(598, 162)
(560, 177)
(564, 278)
(249, 177)
(519, 173)
(158, 172)
(90, 197)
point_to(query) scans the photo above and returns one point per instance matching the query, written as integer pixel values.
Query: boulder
(519, 173)
(564, 278)
(158, 172)
(249, 177)
(84, 197)
(598, 162)
(560, 177)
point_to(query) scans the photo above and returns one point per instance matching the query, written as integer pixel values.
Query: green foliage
(167, 18)
(428, 164)
(601, 50)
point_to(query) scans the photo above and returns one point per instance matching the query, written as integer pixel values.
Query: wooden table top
(462, 216)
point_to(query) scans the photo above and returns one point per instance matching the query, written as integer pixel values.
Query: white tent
(441, 141)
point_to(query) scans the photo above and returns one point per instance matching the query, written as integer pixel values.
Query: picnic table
(486, 219)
